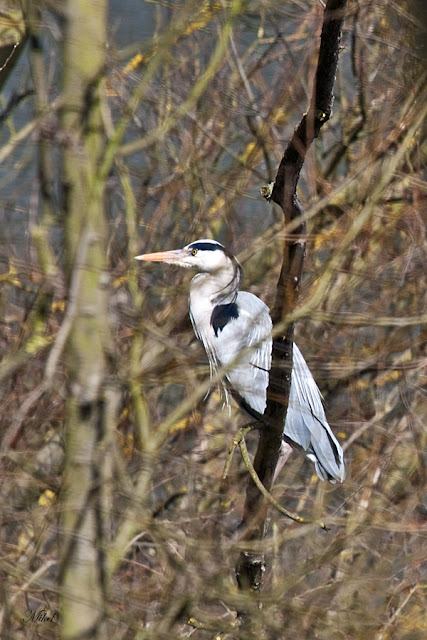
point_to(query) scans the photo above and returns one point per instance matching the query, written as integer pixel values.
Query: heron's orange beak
(171, 257)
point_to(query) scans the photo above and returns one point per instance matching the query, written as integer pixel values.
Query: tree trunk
(90, 407)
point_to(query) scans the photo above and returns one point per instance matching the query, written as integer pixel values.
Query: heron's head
(207, 256)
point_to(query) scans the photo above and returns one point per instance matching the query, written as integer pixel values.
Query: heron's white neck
(219, 287)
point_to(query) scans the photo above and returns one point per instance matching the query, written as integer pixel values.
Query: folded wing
(248, 343)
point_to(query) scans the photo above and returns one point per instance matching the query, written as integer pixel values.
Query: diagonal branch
(266, 494)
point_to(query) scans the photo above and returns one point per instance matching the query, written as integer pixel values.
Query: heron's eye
(193, 252)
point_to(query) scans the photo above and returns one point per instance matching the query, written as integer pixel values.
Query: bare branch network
(136, 127)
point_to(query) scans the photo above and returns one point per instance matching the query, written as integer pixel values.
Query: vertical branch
(251, 566)
(91, 403)
(41, 232)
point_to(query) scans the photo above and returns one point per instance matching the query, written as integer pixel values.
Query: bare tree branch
(250, 568)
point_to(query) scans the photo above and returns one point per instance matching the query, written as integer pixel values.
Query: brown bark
(251, 566)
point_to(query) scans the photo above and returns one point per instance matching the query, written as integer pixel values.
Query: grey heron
(235, 329)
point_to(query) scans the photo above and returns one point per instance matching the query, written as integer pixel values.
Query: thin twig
(10, 56)
(267, 495)
(236, 441)
(396, 613)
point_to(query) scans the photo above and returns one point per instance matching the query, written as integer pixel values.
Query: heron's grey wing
(246, 339)
(306, 422)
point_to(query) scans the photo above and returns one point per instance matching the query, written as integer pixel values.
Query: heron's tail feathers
(306, 423)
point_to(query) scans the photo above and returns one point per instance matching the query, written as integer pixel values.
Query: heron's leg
(285, 452)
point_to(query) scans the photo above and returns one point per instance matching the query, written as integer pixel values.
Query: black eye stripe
(205, 246)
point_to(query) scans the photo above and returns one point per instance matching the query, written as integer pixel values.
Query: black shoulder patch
(222, 314)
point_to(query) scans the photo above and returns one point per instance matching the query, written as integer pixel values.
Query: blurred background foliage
(196, 116)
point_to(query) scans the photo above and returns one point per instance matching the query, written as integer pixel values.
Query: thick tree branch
(250, 567)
